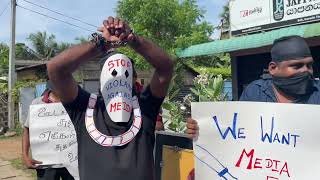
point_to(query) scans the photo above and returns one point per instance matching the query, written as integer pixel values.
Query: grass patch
(18, 164)
(18, 129)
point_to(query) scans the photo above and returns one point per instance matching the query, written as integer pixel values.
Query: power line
(60, 13)
(55, 18)
(5, 8)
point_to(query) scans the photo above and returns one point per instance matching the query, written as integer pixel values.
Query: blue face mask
(295, 86)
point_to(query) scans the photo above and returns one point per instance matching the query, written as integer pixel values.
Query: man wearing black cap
(48, 96)
(290, 80)
(291, 73)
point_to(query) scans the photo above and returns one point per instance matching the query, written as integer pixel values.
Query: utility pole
(230, 7)
(11, 73)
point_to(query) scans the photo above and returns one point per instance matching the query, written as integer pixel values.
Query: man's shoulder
(259, 84)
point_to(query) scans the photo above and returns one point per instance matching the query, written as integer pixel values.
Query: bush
(208, 88)
(224, 72)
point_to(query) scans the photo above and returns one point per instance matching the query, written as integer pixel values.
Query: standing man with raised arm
(115, 133)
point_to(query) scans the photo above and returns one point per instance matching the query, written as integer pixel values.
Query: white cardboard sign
(53, 138)
(256, 141)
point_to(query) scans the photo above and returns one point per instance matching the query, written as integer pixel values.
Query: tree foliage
(4, 59)
(22, 52)
(221, 60)
(170, 23)
(225, 16)
(45, 45)
(208, 88)
(82, 39)
(224, 25)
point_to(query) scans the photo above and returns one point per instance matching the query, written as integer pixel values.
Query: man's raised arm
(156, 56)
(160, 60)
(61, 67)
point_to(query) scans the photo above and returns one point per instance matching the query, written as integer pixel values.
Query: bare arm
(61, 67)
(25, 142)
(160, 60)
(156, 56)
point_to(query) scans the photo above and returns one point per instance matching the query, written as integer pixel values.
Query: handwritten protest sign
(53, 138)
(257, 141)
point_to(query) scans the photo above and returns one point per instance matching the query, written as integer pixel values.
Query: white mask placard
(116, 87)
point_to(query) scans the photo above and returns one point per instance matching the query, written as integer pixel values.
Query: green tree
(4, 59)
(225, 16)
(81, 39)
(62, 46)
(170, 23)
(44, 45)
(208, 88)
(24, 52)
(221, 60)
(224, 26)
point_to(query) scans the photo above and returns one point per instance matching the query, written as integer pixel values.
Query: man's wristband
(135, 43)
(99, 41)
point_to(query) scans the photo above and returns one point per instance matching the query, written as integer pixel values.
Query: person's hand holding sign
(31, 163)
(192, 128)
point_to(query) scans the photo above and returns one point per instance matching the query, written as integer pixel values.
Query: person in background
(290, 78)
(49, 96)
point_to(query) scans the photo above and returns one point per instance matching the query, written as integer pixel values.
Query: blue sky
(91, 11)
